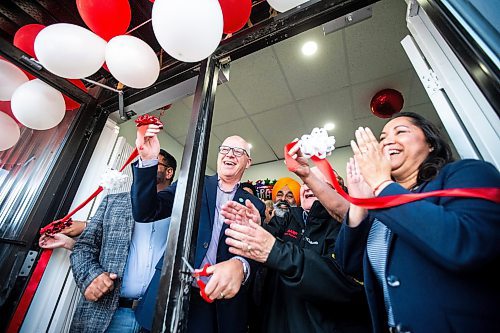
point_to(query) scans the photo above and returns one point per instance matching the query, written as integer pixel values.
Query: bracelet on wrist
(379, 185)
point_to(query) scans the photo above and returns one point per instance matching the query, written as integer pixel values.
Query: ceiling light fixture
(250, 146)
(329, 126)
(309, 48)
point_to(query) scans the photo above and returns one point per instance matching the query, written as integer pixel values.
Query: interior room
(318, 64)
(278, 94)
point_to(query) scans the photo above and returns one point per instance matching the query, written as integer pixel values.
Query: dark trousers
(202, 315)
(221, 316)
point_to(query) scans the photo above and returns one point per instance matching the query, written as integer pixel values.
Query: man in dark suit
(228, 283)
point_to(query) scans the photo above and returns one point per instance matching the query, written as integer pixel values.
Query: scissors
(197, 275)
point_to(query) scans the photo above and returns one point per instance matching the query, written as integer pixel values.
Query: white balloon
(11, 77)
(188, 30)
(284, 5)
(132, 61)
(37, 105)
(9, 132)
(69, 50)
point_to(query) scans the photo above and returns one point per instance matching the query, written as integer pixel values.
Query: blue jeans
(123, 321)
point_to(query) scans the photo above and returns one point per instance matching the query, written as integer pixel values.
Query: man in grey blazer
(114, 260)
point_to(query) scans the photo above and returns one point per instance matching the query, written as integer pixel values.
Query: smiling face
(307, 197)
(406, 145)
(230, 167)
(286, 194)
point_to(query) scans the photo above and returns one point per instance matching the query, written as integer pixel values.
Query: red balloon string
(487, 193)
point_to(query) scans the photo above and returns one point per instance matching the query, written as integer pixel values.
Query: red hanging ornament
(386, 102)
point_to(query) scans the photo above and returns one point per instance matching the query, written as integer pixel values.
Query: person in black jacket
(304, 290)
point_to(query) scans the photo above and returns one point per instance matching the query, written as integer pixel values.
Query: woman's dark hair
(441, 152)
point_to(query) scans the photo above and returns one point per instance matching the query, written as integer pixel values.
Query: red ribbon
(58, 225)
(487, 193)
(29, 292)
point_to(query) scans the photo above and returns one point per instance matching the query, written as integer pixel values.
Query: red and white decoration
(188, 30)
(318, 143)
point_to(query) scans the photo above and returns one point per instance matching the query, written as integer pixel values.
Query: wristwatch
(246, 272)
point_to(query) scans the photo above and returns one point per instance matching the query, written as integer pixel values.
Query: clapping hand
(250, 241)
(234, 212)
(372, 162)
(356, 184)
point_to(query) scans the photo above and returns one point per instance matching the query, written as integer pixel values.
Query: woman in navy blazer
(427, 265)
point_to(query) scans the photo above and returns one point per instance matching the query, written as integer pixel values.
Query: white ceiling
(277, 94)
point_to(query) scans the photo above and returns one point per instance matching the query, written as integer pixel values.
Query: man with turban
(285, 194)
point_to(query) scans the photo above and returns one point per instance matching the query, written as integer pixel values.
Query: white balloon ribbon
(113, 179)
(318, 143)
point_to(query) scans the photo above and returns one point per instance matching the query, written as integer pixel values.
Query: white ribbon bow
(318, 143)
(113, 179)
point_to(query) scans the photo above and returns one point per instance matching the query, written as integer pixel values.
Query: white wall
(276, 170)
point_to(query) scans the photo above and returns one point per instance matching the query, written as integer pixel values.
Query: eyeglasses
(164, 165)
(238, 152)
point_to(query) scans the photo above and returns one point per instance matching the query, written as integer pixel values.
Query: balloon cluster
(188, 30)
(193, 37)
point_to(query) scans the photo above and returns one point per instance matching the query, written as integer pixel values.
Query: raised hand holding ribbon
(147, 142)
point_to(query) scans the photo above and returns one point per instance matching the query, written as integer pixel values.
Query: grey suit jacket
(102, 247)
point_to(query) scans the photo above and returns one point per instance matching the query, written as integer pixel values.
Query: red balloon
(107, 18)
(236, 14)
(386, 102)
(70, 103)
(5, 108)
(24, 39)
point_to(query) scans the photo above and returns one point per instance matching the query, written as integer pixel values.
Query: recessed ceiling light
(329, 126)
(250, 146)
(309, 48)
